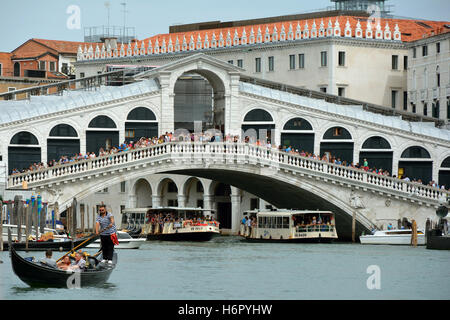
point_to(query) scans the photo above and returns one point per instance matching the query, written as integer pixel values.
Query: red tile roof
(62, 46)
(411, 30)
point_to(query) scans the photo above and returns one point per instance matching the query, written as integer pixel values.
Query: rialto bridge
(46, 127)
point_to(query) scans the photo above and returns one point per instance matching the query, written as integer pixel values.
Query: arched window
(102, 122)
(337, 133)
(97, 139)
(24, 150)
(446, 163)
(141, 122)
(416, 164)
(297, 124)
(258, 115)
(63, 141)
(141, 113)
(340, 149)
(444, 174)
(415, 152)
(378, 153)
(292, 135)
(63, 130)
(376, 143)
(25, 138)
(254, 130)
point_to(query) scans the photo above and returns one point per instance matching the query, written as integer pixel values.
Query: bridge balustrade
(229, 152)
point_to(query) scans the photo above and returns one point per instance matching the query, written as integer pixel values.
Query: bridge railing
(269, 158)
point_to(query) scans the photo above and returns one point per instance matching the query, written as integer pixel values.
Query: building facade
(344, 55)
(84, 121)
(429, 75)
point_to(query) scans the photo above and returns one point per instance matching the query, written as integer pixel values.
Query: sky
(66, 19)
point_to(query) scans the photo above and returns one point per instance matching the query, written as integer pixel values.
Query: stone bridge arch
(282, 189)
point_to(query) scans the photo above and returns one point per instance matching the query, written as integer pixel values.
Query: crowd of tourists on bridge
(211, 137)
(154, 222)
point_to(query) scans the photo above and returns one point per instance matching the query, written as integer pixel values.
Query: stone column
(235, 210)
(83, 142)
(167, 104)
(132, 201)
(156, 201)
(395, 160)
(208, 205)
(181, 200)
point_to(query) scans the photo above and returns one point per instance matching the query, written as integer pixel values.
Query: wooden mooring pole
(1, 225)
(28, 219)
(93, 219)
(34, 211)
(354, 227)
(414, 234)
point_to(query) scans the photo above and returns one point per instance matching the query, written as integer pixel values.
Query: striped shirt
(105, 221)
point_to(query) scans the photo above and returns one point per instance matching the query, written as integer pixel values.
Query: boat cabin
(296, 226)
(174, 223)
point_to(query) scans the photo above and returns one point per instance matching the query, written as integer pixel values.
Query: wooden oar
(74, 249)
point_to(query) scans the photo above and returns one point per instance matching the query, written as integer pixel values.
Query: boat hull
(183, 236)
(53, 245)
(36, 275)
(295, 240)
(437, 241)
(392, 240)
(123, 244)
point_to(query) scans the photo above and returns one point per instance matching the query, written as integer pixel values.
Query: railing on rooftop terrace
(114, 78)
(408, 116)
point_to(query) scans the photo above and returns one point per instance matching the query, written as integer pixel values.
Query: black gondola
(37, 274)
(53, 245)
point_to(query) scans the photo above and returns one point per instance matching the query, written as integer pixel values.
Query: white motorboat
(125, 242)
(394, 237)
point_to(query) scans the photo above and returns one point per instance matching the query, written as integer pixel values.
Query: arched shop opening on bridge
(222, 197)
(102, 132)
(62, 141)
(143, 193)
(23, 151)
(298, 134)
(141, 122)
(444, 173)
(378, 152)
(258, 124)
(416, 163)
(193, 191)
(199, 101)
(168, 192)
(337, 142)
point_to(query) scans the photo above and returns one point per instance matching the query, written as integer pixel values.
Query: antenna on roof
(124, 4)
(107, 6)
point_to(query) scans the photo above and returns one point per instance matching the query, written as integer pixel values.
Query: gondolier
(105, 222)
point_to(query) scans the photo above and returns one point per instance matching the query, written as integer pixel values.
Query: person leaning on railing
(168, 137)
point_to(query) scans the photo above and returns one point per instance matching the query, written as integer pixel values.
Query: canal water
(227, 268)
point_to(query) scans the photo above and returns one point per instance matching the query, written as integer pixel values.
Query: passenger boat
(37, 274)
(189, 225)
(125, 242)
(293, 226)
(393, 237)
